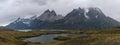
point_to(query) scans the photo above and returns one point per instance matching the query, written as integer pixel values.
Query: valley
(59, 22)
(94, 37)
(80, 18)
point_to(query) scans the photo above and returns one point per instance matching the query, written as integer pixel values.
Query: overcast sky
(10, 10)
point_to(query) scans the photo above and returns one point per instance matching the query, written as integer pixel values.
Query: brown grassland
(94, 37)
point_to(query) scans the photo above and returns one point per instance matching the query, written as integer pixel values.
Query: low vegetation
(94, 37)
(62, 38)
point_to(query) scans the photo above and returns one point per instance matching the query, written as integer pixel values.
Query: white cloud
(12, 9)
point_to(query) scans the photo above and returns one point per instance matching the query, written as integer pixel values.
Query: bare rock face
(81, 18)
(76, 16)
(21, 23)
(49, 16)
(89, 18)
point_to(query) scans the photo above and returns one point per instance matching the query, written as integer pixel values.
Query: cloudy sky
(10, 10)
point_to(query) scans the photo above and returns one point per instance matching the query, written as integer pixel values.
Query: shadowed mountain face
(91, 18)
(49, 16)
(88, 18)
(21, 23)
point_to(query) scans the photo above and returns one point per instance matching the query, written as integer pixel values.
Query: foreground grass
(94, 37)
(8, 37)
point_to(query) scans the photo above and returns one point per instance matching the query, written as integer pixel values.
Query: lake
(25, 30)
(48, 38)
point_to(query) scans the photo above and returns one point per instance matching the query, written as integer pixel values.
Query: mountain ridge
(80, 18)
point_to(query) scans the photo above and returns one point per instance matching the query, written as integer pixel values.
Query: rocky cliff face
(49, 16)
(21, 23)
(90, 18)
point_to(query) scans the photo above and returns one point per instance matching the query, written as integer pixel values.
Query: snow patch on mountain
(96, 16)
(85, 13)
(26, 21)
(49, 16)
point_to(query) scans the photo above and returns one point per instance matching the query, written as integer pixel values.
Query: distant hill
(90, 18)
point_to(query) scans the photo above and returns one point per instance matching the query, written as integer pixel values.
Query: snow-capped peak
(26, 21)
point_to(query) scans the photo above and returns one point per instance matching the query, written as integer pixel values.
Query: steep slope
(76, 16)
(81, 18)
(45, 18)
(21, 23)
(91, 18)
(49, 16)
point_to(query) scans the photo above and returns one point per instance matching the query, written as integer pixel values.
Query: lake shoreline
(93, 37)
(50, 37)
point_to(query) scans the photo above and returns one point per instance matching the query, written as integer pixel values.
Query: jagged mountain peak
(84, 15)
(81, 9)
(47, 11)
(80, 18)
(21, 23)
(86, 12)
(94, 13)
(53, 13)
(49, 16)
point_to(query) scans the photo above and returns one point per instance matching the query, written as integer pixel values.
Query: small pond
(25, 30)
(48, 38)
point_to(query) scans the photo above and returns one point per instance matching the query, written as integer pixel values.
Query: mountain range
(81, 18)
